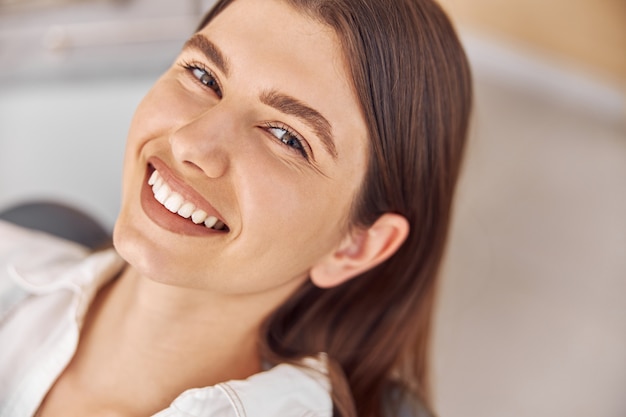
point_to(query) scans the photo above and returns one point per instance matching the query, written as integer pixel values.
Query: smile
(176, 203)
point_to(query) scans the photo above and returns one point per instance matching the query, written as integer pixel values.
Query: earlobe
(361, 250)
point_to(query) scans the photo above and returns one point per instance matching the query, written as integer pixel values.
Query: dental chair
(59, 220)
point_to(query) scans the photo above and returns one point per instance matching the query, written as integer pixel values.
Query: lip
(172, 221)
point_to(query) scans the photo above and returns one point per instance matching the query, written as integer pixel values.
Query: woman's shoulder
(45, 285)
(284, 390)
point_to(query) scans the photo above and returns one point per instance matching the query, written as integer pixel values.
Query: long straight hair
(413, 83)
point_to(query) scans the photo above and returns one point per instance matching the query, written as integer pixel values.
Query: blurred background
(532, 316)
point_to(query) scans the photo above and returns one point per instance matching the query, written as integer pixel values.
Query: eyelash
(299, 146)
(213, 84)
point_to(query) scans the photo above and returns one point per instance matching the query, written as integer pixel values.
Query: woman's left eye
(288, 138)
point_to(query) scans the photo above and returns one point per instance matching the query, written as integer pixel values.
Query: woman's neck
(142, 338)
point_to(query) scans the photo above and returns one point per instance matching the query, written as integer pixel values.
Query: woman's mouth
(177, 204)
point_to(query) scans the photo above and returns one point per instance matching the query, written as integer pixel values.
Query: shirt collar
(81, 273)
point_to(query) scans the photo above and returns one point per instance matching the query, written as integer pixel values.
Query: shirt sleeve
(285, 390)
(200, 402)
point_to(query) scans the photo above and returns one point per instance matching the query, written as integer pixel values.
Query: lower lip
(167, 220)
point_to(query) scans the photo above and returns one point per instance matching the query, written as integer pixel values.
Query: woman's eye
(289, 138)
(205, 77)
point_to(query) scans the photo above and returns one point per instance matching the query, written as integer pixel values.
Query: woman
(286, 196)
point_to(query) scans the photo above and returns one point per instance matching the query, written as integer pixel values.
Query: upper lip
(185, 190)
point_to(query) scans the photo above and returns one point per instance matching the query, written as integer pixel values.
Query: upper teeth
(176, 203)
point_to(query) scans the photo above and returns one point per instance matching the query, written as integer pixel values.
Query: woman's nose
(206, 142)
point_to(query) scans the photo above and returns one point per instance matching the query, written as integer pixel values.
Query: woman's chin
(137, 249)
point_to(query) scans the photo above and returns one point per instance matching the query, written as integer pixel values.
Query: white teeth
(210, 221)
(186, 210)
(153, 178)
(163, 193)
(199, 216)
(176, 203)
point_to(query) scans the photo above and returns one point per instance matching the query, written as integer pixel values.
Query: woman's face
(256, 125)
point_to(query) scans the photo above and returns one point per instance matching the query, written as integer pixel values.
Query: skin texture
(221, 148)
(186, 311)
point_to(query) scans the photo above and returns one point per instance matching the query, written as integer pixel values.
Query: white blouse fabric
(46, 287)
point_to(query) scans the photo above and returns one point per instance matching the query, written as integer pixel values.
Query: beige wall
(589, 33)
(531, 318)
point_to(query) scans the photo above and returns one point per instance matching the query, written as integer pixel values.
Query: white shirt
(46, 287)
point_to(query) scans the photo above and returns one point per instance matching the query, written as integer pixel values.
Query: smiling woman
(286, 196)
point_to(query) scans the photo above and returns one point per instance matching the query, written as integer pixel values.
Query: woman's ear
(361, 250)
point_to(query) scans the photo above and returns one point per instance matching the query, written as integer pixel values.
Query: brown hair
(412, 80)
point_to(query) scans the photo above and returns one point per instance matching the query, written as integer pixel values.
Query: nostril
(192, 165)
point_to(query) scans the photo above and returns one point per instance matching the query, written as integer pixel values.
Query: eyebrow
(281, 102)
(291, 106)
(210, 50)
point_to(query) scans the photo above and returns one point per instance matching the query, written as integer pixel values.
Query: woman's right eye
(205, 77)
